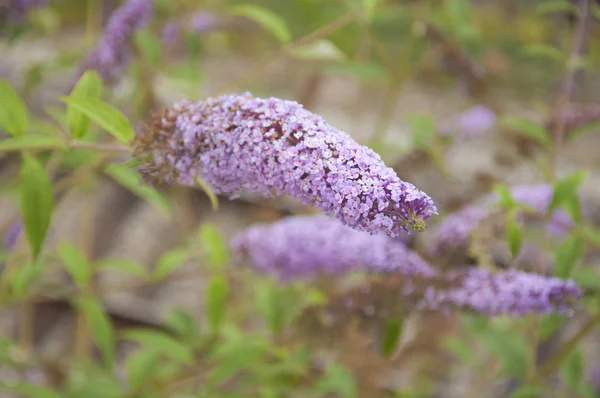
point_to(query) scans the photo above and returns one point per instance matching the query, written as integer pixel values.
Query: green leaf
(572, 370)
(544, 51)
(89, 86)
(363, 71)
(586, 277)
(511, 350)
(267, 19)
(339, 380)
(567, 254)
(22, 277)
(37, 202)
(105, 115)
(149, 45)
(566, 188)
(322, 50)
(132, 180)
(214, 244)
(31, 142)
(32, 390)
(528, 127)
(216, 301)
(529, 391)
(169, 261)
(76, 263)
(184, 324)
(214, 201)
(271, 306)
(163, 343)
(101, 327)
(423, 130)
(549, 324)
(392, 334)
(463, 350)
(505, 199)
(13, 114)
(141, 366)
(514, 235)
(123, 264)
(574, 208)
(369, 6)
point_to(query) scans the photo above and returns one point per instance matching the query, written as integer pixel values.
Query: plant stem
(98, 146)
(553, 363)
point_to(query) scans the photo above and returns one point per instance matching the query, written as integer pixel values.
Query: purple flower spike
(12, 234)
(171, 32)
(203, 21)
(470, 123)
(113, 52)
(509, 292)
(274, 147)
(302, 246)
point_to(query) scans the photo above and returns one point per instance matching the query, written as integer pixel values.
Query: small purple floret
(272, 147)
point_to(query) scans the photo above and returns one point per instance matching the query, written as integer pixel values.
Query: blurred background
(457, 96)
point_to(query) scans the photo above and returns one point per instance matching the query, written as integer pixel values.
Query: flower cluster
(273, 147)
(112, 53)
(454, 230)
(303, 246)
(510, 292)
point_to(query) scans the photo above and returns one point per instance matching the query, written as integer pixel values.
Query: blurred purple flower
(593, 376)
(171, 32)
(273, 147)
(509, 292)
(16, 10)
(469, 123)
(203, 21)
(454, 230)
(111, 55)
(303, 246)
(12, 234)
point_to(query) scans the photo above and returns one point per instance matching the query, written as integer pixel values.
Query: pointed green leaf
(13, 114)
(75, 262)
(149, 46)
(267, 19)
(37, 202)
(132, 180)
(567, 254)
(572, 370)
(505, 199)
(392, 334)
(89, 86)
(567, 188)
(551, 6)
(22, 277)
(338, 379)
(214, 244)
(514, 235)
(161, 342)
(216, 301)
(141, 366)
(169, 261)
(544, 51)
(105, 115)
(101, 327)
(31, 142)
(529, 128)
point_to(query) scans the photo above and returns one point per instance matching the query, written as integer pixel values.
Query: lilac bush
(112, 53)
(303, 246)
(274, 147)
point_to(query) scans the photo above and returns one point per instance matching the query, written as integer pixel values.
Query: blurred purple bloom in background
(469, 123)
(12, 234)
(509, 292)
(455, 229)
(273, 147)
(203, 21)
(16, 10)
(113, 51)
(303, 246)
(171, 32)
